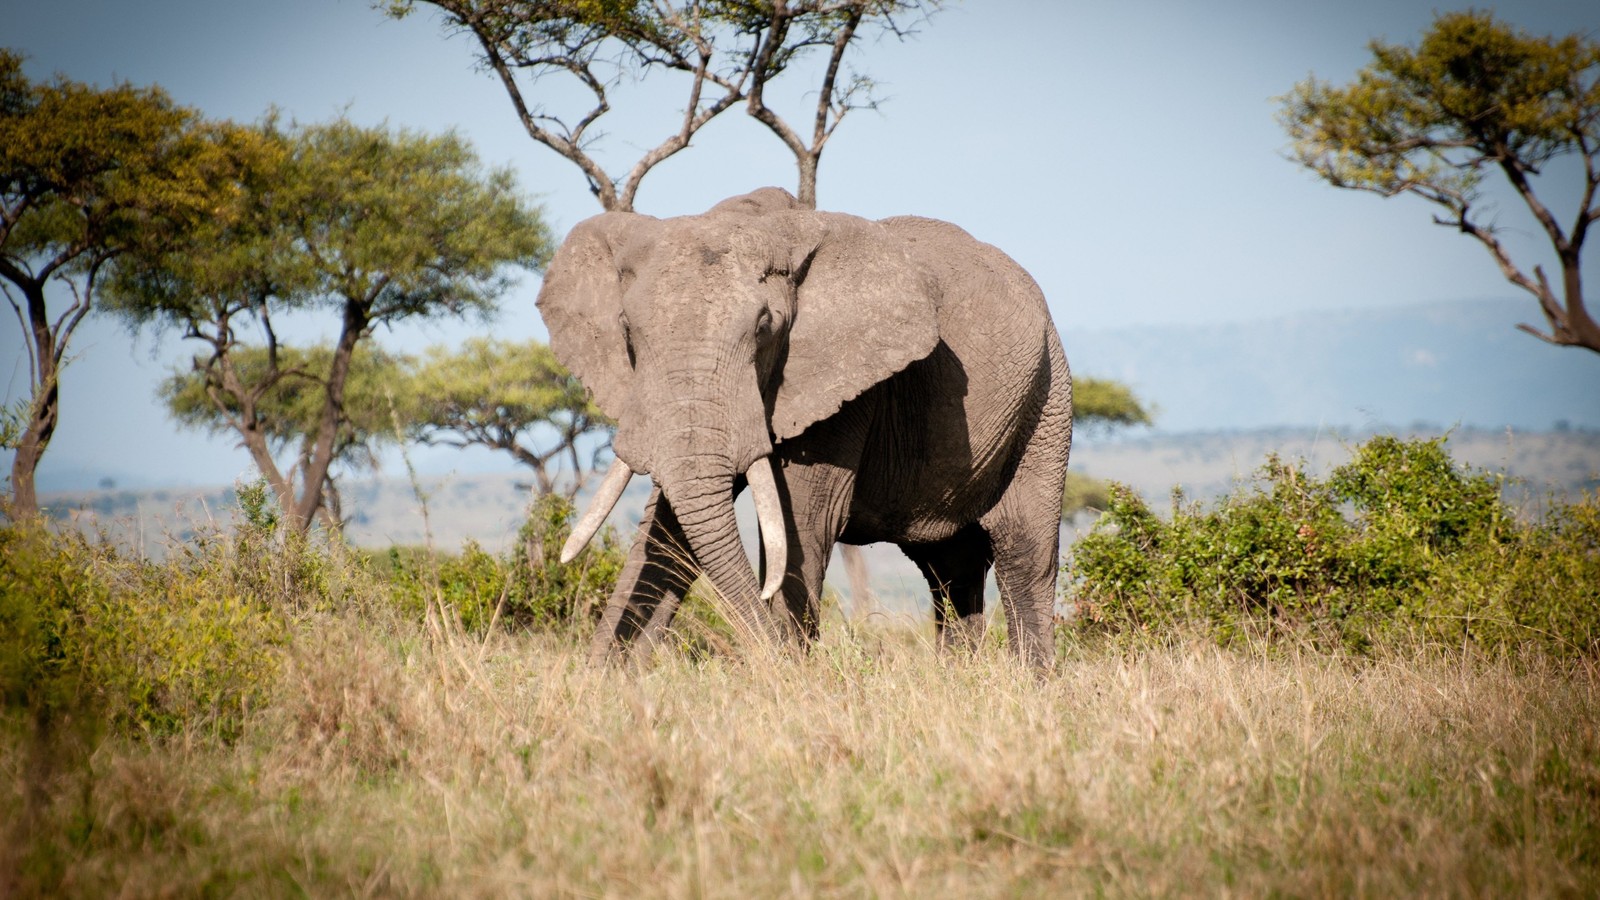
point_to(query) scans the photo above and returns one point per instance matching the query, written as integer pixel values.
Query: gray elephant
(870, 381)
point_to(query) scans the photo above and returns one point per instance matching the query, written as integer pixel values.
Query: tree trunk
(1582, 330)
(44, 408)
(321, 458)
(24, 497)
(807, 194)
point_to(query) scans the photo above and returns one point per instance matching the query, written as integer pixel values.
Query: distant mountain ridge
(1444, 364)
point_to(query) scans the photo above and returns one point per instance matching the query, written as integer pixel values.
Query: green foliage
(88, 172)
(1099, 404)
(289, 408)
(385, 224)
(41, 582)
(193, 641)
(13, 420)
(86, 175)
(506, 395)
(408, 223)
(493, 385)
(152, 648)
(373, 225)
(527, 587)
(1399, 542)
(1474, 88)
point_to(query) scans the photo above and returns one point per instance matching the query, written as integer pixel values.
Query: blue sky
(1126, 154)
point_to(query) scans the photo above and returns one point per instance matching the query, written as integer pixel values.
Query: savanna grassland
(263, 715)
(392, 761)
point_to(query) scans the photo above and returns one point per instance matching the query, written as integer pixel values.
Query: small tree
(285, 397)
(1475, 96)
(85, 175)
(728, 51)
(1101, 403)
(506, 395)
(377, 227)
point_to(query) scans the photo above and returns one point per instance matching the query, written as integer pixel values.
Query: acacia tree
(505, 395)
(376, 227)
(286, 399)
(1475, 96)
(86, 174)
(728, 51)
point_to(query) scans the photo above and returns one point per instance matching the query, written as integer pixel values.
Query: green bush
(1399, 542)
(151, 648)
(42, 583)
(529, 584)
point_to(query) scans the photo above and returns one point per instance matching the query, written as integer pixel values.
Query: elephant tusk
(769, 516)
(605, 497)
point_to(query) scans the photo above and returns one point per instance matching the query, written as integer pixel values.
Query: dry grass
(397, 760)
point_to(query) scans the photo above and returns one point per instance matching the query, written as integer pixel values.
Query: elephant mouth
(763, 489)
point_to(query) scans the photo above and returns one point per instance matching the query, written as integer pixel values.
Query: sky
(1126, 154)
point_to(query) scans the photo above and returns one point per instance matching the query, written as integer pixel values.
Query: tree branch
(1515, 172)
(841, 42)
(600, 183)
(22, 323)
(81, 303)
(1497, 251)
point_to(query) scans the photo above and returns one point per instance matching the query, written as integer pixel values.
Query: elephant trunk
(703, 504)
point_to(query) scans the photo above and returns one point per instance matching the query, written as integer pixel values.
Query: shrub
(42, 582)
(150, 648)
(1399, 542)
(529, 584)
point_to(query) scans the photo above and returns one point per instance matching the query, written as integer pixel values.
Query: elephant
(892, 380)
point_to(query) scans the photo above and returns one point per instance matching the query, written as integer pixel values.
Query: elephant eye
(773, 272)
(764, 323)
(627, 338)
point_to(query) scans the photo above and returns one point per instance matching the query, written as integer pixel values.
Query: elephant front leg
(816, 496)
(657, 575)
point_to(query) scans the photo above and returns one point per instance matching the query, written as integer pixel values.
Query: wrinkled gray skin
(903, 379)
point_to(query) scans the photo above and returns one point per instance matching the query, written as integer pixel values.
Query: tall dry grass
(398, 759)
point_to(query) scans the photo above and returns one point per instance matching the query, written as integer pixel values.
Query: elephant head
(710, 338)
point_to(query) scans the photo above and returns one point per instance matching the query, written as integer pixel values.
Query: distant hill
(1444, 364)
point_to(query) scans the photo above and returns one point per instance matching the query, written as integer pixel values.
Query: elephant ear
(864, 310)
(581, 303)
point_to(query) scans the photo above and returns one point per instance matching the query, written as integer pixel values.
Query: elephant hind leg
(955, 569)
(652, 583)
(1025, 567)
(1025, 526)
